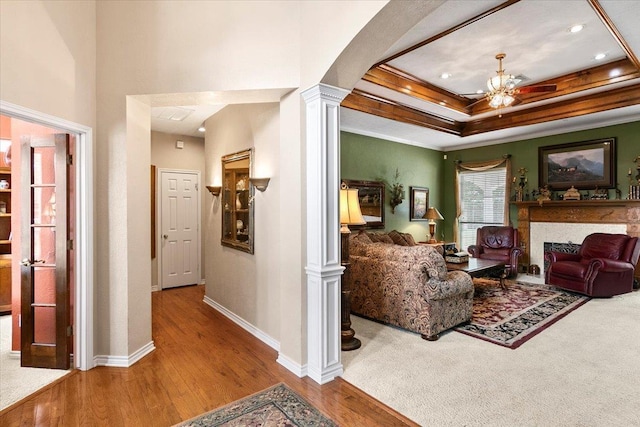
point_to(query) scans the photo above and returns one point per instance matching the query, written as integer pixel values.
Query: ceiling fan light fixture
(501, 82)
(507, 100)
(501, 87)
(496, 100)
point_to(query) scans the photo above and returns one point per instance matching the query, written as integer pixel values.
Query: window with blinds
(482, 198)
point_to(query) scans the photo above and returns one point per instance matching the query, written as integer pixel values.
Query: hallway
(202, 361)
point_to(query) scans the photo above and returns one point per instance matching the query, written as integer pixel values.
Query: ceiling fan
(503, 88)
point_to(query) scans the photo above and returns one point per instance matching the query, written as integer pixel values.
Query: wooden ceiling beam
(606, 20)
(371, 104)
(399, 81)
(448, 31)
(594, 103)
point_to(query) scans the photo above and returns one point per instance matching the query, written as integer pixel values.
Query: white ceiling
(195, 108)
(533, 34)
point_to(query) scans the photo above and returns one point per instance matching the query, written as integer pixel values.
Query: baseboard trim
(293, 366)
(155, 288)
(327, 376)
(124, 361)
(274, 344)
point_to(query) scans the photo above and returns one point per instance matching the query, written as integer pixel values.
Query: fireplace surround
(609, 215)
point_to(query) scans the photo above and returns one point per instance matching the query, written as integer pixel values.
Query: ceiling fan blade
(540, 88)
(515, 102)
(477, 101)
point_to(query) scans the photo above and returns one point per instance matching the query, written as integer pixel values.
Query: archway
(323, 269)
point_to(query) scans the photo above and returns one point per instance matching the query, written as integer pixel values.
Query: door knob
(165, 236)
(28, 263)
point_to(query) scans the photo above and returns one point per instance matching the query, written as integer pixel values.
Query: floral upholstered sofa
(397, 282)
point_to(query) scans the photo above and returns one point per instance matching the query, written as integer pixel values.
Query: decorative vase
(238, 202)
(4, 184)
(239, 225)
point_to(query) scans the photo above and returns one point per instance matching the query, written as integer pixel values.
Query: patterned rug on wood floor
(513, 316)
(275, 406)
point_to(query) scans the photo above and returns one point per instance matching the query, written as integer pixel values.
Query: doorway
(179, 231)
(37, 223)
(81, 301)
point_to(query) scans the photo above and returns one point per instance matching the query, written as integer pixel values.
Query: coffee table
(477, 267)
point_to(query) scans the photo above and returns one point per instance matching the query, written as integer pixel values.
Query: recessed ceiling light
(479, 91)
(576, 28)
(443, 103)
(201, 129)
(445, 75)
(614, 72)
(600, 56)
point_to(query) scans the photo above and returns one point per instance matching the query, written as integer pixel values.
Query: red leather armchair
(498, 243)
(603, 267)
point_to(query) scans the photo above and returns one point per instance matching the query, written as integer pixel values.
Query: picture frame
(419, 203)
(584, 165)
(371, 197)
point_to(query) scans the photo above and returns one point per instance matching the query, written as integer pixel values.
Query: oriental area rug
(510, 317)
(275, 406)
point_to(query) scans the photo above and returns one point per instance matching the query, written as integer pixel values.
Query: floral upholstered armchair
(407, 286)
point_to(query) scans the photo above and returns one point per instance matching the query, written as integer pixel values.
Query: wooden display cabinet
(237, 202)
(5, 240)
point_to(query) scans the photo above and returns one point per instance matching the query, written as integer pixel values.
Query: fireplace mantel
(578, 211)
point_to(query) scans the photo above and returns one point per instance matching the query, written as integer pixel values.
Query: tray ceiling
(404, 97)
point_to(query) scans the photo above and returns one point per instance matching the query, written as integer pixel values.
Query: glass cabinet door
(237, 201)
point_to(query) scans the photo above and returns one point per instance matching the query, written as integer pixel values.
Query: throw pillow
(385, 239)
(360, 237)
(375, 237)
(409, 239)
(397, 238)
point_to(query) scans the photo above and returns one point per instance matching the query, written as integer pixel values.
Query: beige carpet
(582, 371)
(17, 383)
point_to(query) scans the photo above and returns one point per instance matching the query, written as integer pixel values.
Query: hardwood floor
(202, 361)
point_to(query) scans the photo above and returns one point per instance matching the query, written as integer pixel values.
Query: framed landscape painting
(419, 203)
(583, 165)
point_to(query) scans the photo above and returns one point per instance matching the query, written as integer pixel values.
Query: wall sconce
(261, 184)
(214, 190)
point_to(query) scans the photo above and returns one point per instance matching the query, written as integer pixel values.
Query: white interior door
(179, 231)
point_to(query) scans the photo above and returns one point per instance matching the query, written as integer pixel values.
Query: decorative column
(323, 267)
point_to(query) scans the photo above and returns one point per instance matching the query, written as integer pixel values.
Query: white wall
(191, 47)
(49, 57)
(164, 154)
(247, 284)
(55, 61)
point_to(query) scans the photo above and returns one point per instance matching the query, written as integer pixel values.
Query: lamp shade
(350, 213)
(433, 214)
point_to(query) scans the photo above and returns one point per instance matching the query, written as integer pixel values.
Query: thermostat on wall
(179, 144)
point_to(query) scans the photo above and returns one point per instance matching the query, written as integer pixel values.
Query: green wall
(366, 158)
(524, 153)
(373, 159)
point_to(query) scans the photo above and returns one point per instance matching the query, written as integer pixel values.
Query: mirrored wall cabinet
(237, 201)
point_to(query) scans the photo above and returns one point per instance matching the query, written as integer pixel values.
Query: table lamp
(432, 214)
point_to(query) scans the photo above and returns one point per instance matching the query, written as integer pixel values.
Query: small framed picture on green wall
(419, 203)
